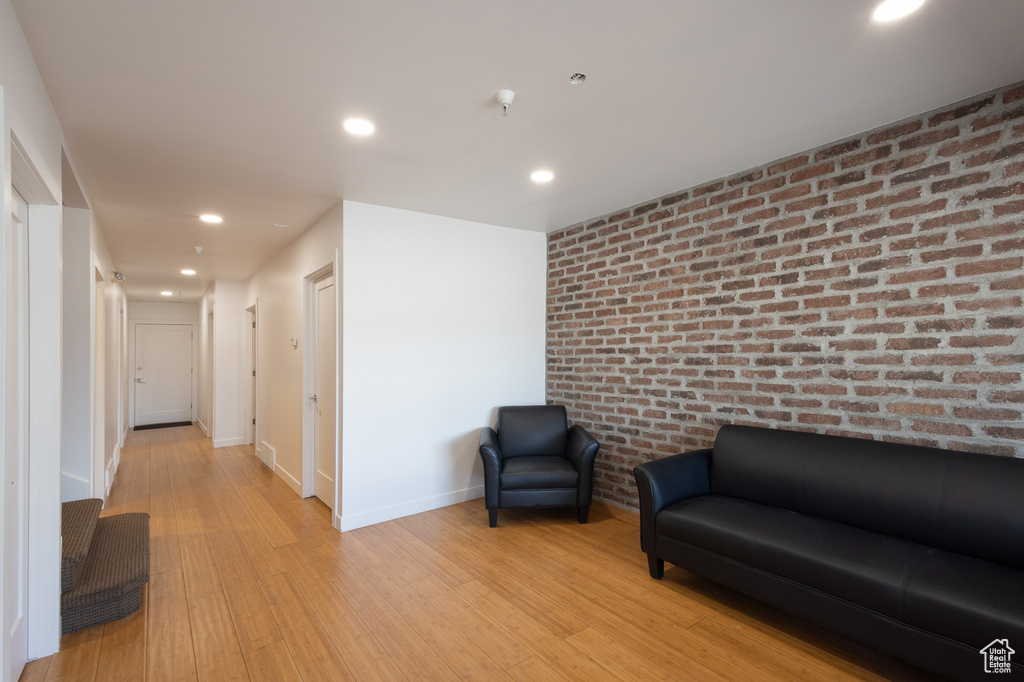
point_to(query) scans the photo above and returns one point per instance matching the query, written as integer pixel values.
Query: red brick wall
(871, 287)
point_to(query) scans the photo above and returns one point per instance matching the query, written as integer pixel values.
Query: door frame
(97, 381)
(133, 324)
(308, 381)
(15, 650)
(250, 389)
(44, 380)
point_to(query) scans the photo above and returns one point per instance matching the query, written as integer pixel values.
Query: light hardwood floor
(249, 582)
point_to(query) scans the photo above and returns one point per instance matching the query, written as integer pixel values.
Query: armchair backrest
(532, 430)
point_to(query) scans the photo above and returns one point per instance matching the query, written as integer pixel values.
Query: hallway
(248, 581)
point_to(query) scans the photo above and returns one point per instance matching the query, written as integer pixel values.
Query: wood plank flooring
(249, 582)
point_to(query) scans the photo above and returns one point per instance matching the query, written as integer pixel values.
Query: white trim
(73, 487)
(268, 455)
(29, 178)
(122, 359)
(292, 482)
(68, 474)
(308, 381)
(97, 380)
(45, 367)
(368, 518)
(206, 431)
(108, 476)
(228, 442)
(250, 385)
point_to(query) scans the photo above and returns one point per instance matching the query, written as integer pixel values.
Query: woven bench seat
(77, 524)
(110, 579)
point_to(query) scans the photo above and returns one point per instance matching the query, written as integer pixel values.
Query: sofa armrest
(490, 453)
(581, 450)
(664, 482)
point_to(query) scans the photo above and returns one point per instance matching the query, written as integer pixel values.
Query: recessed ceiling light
(167, 293)
(188, 272)
(358, 126)
(891, 10)
(211, 218)
(577, 78)
(542, 176)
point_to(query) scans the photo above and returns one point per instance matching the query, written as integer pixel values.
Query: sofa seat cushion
(966, 599)
(527, 473)
(859, 566)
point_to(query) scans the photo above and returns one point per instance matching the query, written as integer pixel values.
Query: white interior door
(15, 443)
(163, 373)
(323, 383)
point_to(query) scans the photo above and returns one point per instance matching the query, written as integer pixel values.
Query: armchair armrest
(581, 449)
(490, 453)
(664, 482)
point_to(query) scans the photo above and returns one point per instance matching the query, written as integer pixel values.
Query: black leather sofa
(915, 552)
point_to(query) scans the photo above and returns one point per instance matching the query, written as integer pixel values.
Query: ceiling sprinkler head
(505, 98)
(199, 251)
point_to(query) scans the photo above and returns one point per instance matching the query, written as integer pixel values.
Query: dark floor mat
(147, 427)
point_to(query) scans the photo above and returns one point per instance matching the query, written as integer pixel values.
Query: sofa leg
(582, 512)
(492, 517)
(656, 566)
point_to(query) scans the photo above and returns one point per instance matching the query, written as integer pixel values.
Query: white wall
(204, 366)
(278, 288)
(443, 322)
(228, 338)
(77, 393)
(115, 355)
(90, 448)
(221, 390)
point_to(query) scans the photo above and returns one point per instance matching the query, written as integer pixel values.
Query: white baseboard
(372, 516)
(73, 487)
(292, 482)
(109, 473)
(206, 431)
(266, 452)
(228, 442)
(124, 436)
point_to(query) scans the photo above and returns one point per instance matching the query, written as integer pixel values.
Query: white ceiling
(173, 109)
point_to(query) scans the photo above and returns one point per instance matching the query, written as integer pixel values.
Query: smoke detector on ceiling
(505, 98)
(577, 78)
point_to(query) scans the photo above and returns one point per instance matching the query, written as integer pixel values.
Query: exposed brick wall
(871, 287)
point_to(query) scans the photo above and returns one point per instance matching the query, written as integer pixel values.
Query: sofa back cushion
(960, 502)
(532, 431)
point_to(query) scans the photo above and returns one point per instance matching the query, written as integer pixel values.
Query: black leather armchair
(536, 460)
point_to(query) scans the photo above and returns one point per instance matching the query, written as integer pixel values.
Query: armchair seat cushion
(531, 473)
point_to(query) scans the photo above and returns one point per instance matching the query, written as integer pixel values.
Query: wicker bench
(104, 564)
